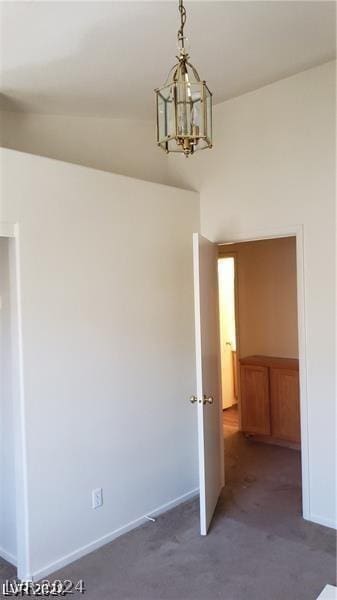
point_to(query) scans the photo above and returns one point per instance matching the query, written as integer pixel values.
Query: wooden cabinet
(270, 398)
(285, 407)
(255, 406)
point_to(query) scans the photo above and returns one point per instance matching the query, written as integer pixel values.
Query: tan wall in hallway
(267, 297)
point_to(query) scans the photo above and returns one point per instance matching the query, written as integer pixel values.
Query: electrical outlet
(97, 498)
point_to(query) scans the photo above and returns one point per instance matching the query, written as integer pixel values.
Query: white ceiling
(105, 58)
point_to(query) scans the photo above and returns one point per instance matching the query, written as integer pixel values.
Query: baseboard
(10, 558)
(109, 537)
(322, 521)
(329, 593)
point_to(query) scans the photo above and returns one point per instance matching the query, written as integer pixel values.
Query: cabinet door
(285, 404)
(255, 408)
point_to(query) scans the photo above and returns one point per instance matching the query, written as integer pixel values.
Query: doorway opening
(260, 383)
(11, 488)
(228, 345)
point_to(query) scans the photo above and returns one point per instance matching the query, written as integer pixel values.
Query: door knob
(208, 400)
(193, 399)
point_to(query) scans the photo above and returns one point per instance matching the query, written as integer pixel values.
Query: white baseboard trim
(329, 593)
(8, 556)
(322, 521)
(109, 537)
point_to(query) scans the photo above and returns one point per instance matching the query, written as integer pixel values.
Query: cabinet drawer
(255, 405)
(285, 404)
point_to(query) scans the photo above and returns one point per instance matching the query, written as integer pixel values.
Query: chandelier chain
(182, 11)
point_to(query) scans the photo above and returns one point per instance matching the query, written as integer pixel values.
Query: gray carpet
(7, 571)
(258, 547)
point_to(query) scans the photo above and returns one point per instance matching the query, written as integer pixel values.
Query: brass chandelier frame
(179, 77)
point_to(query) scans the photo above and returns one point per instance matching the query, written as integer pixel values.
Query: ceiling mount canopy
(184, 104)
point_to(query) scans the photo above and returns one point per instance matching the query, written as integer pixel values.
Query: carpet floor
(258, 547)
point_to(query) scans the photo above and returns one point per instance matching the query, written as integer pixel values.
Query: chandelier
(184, 104)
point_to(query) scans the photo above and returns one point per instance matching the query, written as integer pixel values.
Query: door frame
(11, 232)
(296, 231)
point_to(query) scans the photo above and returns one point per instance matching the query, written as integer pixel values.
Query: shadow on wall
(55, 124)
(91, 60)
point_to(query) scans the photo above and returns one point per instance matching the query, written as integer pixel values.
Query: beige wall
(267, 299)
(273, 167)
(106, 284)
(120, 146)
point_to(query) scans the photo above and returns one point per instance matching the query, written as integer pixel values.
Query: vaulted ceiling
(105, 58)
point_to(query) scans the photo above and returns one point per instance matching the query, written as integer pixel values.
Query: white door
(210, 433)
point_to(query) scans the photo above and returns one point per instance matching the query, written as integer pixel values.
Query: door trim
(11, 231)
(296, 231)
